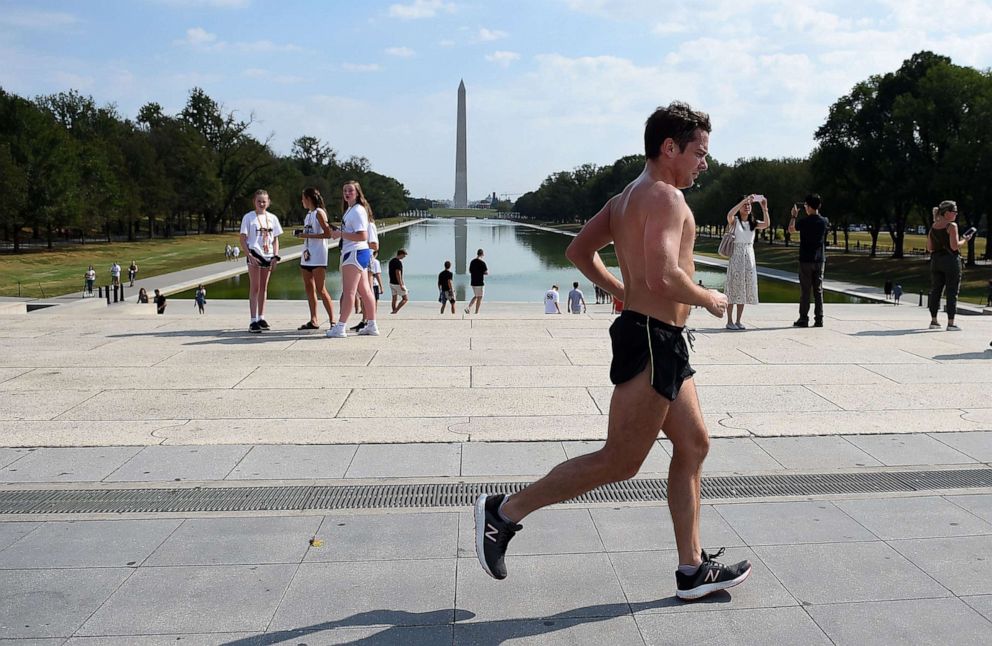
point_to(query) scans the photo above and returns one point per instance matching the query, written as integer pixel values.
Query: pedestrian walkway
(851, 464)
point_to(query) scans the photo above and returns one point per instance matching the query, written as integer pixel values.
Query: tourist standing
(90, 278)
(313, 263)
(943, 243)
(896, 293)
(355, 258)
(742, 273)
(812, 231)
(988, 298)
(888, 288)
(159, 302)
(396, 282)
(551, 301)
(142, 296)
(201, 298)
(576, 301)
(259, 238)
(652, 230)
(374, 246)
(445, 287)
(375, 276)
(115, 274)
(132, 272)
(478, 270)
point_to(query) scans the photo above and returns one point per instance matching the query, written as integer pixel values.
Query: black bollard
(115, 293)
(921, 299)
(106, 290)
(99, 290)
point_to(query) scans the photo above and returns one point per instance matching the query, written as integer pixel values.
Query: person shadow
(397, 627)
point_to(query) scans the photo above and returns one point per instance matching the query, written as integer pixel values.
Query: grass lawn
(44, 274)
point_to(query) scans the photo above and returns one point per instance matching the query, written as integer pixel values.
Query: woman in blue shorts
(355, 258)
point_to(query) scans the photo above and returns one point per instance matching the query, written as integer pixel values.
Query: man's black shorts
(639, 341)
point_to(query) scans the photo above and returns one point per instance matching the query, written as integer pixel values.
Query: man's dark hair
(479, 252)
(678, 122)
(814, 201)
(401, 252)
(447, 264)
(575, 285)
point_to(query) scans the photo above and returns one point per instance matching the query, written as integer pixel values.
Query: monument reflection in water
(523, 264)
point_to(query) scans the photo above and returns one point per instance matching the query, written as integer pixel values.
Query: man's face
(692, 161)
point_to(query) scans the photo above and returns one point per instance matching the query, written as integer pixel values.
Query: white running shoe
(740, 326)
(370, 329)
(935, 326)
(338, 332)
(953, 328)
(731, 326)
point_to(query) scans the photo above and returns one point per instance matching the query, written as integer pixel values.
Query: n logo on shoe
(711, 575)
(491, 532)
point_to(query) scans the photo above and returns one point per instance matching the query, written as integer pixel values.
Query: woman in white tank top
(313, 262)
(355, 257)
(741, 287)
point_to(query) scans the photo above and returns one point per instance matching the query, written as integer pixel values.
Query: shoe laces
(711, 558)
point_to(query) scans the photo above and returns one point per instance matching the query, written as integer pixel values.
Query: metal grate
(462, 494)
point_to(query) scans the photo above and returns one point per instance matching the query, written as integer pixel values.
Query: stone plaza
(98, 400)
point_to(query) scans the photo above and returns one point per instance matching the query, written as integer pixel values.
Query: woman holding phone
(742, 273)
(355, 258)
(313, 262)
(260, 231)
(943, 244)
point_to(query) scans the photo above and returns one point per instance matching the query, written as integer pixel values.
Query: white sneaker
(731, 326)
(740, 326)
(953, 328)
(935, 326)
(370, 329)
(338, 332)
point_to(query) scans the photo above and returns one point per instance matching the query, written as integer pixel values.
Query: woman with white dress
(355, 258)
(742, 274)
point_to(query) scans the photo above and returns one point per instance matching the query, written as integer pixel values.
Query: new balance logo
(491, 532)
(711, 575)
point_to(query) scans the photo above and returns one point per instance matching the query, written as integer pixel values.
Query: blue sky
(551, 84)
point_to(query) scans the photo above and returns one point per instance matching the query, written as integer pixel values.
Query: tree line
(889, 151)
(70, 169)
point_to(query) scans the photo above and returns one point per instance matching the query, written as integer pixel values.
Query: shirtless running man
(653, 232)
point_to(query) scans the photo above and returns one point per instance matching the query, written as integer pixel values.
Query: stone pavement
(97, 398)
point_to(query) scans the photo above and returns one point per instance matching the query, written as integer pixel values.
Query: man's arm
(662, 244)
(792, 219)
(583, 252)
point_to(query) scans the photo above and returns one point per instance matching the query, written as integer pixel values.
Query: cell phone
(757, 198)
(970, 232)
(297, 232)
(800, 206)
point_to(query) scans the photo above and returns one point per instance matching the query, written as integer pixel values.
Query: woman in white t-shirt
(313, 262)
(260, 231)
(355, 258)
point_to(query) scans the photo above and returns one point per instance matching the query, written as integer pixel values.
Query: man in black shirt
(159, 302)
(812, 231)
(446, 287)
(396, 283)
(478, 270)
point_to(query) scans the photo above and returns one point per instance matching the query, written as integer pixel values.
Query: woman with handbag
(741, 287)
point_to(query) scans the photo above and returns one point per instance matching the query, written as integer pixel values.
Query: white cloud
(30, 19)
(400, 52)
(218, 4)
(201, 39)
(489, 35)
(503, 59)
(197, 37)
(446, 42)
(360, 67)
(269, 76)
(420, 9)
(669, 27)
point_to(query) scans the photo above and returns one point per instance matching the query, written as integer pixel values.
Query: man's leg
(805, 285)
(636, 416)
(817, 284)
(685, 428)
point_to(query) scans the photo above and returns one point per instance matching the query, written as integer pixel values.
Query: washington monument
(461, 163)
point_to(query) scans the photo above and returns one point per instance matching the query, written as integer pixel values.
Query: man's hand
(718, 304)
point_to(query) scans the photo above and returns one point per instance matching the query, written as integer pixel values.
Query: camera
(801, 206)
(297, 232)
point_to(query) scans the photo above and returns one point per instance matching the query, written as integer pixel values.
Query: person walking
(742, 271)
(90, 278)
(355, 258)
(896, 293)
(115, 274)
(132, 273)
(259, 238)
(652, 230)
(812, 231)
(446, 287)
(396, 282)
(943, 243)
(478, 270)
(201, 298)
(888, 288)
(576, 301)
(551, 301)
(313, 262)
(159, 302)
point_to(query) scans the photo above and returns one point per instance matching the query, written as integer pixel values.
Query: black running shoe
(710, 577)
(818, 323)
(801, 323)
(356, 328)
(262, 324)
(254, 328)
(492, 534)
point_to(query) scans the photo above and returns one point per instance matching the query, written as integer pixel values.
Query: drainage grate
(462, 494)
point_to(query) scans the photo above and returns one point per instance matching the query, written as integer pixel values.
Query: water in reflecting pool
(523, 264)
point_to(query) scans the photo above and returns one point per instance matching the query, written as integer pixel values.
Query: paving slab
(312, 355)
(656, 463)
(539, 376)
(29, 433)
(256, 404)
(82, 358)
(779, 375)
(792, 523)
(376, 593)
(918, 621)
(902, 396)
(981, 604)
(17, 405)
(464, 402)
(282, 377)
(53, 603)
(507, 357)
(6, 374)
(847, 572)
(976, 444)
(9, 456)
(958, 563)
(510, 458)
(353, 537)
(588, 631)
(97, 543)
(923, 517)
(11, 532)
(542, 534)
(738, 455)
(649, 527)
(310, 431)
(287, 462)
(68, 464)
(893, 450)
(936, 373)
(815, 453)
(175, 463)
(800, 422)
(978, 504)
(237, 541)
(406, 461)
(757, 627)
(187, 639)
(169, 600)
(123, 379)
